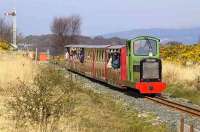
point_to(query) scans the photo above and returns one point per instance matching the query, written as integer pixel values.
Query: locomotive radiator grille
(150, 70)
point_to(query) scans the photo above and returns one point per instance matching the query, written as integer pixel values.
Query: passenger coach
(135, 65)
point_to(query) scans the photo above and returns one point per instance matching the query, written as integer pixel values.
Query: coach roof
(87, 46)
(116, 46)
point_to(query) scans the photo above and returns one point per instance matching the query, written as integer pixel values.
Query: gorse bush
(181, 53)
(4, 45)
(45, 100)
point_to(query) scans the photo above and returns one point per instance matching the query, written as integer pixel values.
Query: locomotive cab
(144, 65)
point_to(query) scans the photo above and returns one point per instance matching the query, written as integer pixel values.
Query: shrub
(4, 45)
(45, 100)
(182, 54)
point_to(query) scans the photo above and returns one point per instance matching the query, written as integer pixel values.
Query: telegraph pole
(14, 26)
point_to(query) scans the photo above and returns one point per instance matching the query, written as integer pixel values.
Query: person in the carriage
(116, 60)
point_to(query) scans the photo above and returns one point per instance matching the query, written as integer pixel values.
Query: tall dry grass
(179, 74)
(14, 66)
(182, 81)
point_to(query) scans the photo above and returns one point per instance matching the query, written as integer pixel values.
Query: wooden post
(48, 54)
(191, 128)
(36, 55)
(182, 124)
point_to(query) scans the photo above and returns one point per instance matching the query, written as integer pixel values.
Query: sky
(104, 16)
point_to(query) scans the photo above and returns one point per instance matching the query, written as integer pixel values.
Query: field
(13, 67)
(66, 105)
(181, 71)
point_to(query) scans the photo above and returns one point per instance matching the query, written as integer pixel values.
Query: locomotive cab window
(145, 47)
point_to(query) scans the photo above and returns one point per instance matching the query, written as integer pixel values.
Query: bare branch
(66, 30)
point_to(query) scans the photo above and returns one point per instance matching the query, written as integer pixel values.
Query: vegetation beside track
(180, 91)
(179, 53)
(37, 97)
(181, 71)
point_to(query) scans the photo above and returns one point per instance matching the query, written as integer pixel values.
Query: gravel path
(163, 113)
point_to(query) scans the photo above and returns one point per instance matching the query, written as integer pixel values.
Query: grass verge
(180, 91)
(182, 81)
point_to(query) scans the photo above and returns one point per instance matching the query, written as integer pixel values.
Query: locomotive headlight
(150, 54)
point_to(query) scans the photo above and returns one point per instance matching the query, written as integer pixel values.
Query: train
(135, 64)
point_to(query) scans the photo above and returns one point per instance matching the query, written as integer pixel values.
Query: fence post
(198, 83)
(48, 54)
(36, 55)
(191, 128)
(182, 124)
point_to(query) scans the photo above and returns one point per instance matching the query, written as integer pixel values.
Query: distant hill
(186, 36)
(44, 42)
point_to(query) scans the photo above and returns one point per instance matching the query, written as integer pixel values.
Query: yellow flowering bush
(182, 54)
(4, 45)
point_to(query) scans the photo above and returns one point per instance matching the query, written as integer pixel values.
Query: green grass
(97, 112)
(180, 91)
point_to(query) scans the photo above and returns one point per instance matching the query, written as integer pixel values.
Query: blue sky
(104, 16)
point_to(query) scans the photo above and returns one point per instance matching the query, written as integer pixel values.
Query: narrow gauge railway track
(180, 107)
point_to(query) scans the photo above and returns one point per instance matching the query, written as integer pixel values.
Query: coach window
(82, 55)
(101, 55)
(97, 55)
(116, 59)
(109, 61)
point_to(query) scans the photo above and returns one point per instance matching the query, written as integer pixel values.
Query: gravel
(142, 105)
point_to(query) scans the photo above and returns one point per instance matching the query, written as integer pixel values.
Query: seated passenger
(82, 56)
(67, 55)
(116, 61)
(109, 65)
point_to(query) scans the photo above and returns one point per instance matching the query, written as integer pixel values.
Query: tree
(5, 30)
(66, 30)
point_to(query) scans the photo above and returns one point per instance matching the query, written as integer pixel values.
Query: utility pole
(14, 30)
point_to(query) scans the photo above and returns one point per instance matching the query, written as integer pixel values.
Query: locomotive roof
(87, 46)
(143, 37)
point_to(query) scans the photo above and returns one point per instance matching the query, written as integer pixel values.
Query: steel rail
(175, 105)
